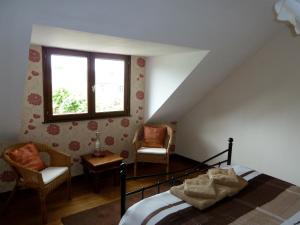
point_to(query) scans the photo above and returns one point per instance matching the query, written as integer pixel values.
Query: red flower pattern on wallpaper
(34, 99)
(124, 154)
(31, 120)
(36, 116)
(29, 78)
(74, 145)
(34, 56)
(141, 62)
(139, 95)
(31, 127)
(53, 129)
(125, 122)
(92, 125)
(35, 73)
(109, 140)
(8, 176)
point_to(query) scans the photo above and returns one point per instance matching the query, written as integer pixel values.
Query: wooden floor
(24, 208)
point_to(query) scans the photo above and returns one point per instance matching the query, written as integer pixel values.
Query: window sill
(82, 117)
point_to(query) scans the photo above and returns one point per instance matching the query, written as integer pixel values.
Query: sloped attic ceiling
(231, 29)
(167, 65)
(73, 39)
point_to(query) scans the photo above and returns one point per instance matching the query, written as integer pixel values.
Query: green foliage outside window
(64, 103)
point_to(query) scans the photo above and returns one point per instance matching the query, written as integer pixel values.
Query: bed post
(230, 143)
(123, 174)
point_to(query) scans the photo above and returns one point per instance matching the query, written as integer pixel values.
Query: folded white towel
(205, 190)
(200, 186)
(223, 176)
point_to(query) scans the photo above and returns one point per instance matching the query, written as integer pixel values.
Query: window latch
(93, 88)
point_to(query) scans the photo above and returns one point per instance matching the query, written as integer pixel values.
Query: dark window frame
(91, 114)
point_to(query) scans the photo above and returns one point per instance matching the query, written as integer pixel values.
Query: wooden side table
(95, 165)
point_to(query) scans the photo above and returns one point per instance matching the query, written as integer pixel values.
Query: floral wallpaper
(77, 137)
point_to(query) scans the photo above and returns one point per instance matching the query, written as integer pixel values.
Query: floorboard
(24, 208)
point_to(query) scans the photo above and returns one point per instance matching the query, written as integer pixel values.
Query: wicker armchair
(152, 155)
(44, 181)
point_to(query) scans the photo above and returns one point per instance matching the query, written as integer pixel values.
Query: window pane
(109, 85)
(69, 84)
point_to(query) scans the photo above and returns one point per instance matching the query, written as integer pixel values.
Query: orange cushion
(154, 137)
(28, 156)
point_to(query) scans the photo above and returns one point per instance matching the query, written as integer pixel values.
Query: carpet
(108, 214)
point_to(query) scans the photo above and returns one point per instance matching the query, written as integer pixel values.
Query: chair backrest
(168, 138)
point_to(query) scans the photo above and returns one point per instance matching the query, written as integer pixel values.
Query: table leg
(86, 172)
(116, 177)
(96, 182)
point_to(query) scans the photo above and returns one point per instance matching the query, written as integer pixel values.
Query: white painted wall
(259, 106)
(164, 74)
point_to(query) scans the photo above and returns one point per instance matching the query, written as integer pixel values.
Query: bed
(266, 200)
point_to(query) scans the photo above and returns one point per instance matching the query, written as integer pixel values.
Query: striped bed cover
(266, 201)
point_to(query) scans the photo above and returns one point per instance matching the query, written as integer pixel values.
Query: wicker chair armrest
(32, 178)
(138, 145)
(171, 138)
(57, 158)
(137, 135)
(29, 177)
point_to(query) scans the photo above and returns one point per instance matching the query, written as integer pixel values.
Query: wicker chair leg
(135, 168)
(13, 192)
(43, 207)
(69, 188)
(167, 170)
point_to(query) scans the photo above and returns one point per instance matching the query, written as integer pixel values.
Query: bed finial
(230, 143)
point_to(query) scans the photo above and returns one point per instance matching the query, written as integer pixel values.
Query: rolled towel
(225, 177)
(200, 186)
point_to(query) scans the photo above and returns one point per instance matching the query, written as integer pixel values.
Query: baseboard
(177, 156)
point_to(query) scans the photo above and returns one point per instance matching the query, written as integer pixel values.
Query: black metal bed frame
(186, 173)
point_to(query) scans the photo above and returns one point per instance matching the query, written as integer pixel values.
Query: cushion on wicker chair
(154, 137)
(158, 151)
(51, 173)
(27, 156)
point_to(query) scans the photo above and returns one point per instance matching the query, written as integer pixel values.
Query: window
(82, 85)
